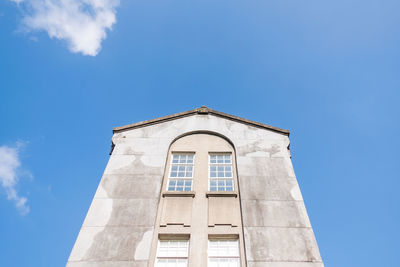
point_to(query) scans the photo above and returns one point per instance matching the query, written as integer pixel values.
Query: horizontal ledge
(221, 194)
(179, 194)
(174, 236)
(113, 261)
(223, 236)
(287, 261)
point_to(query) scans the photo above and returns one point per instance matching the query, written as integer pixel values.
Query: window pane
(220, 166)
(181, 167)
(180, 185)
(173, 248)
(223, 253)
(172, 253)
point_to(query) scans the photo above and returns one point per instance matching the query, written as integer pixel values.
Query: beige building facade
(198, 188)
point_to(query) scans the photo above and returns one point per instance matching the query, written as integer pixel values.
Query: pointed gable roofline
(201, 111)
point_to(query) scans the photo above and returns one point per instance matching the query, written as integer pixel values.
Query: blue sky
(326, 70)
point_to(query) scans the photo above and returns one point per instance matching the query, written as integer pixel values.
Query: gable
(200, 111)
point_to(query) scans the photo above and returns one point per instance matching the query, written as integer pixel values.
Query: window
(220, 172)
(172, 253)
(223, 253)
(181, 172)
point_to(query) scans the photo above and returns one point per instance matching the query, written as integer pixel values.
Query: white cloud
(9, 166)
(82, 24)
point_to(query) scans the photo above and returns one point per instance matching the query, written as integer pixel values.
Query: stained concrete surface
(123, 209)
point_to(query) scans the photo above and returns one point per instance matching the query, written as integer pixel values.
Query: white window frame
(224, 255)
(231, 178)
(186, 178)
(174, 255)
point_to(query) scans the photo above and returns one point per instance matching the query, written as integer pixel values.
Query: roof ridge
(203, 110)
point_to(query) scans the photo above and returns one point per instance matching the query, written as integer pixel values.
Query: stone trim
(201, 111)
(179, 194)
(221, 194)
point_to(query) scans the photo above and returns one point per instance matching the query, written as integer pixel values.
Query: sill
(178, 194)
(221, 194)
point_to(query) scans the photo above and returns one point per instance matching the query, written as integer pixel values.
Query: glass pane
(173, 174)
(213, 262)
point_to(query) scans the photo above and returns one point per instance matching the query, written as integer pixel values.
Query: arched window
(199, 207)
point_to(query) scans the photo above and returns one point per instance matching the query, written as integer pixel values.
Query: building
(198, 188)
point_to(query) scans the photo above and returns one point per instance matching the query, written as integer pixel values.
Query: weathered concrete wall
(118, 229)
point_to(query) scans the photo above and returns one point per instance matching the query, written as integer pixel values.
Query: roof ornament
(203, 110)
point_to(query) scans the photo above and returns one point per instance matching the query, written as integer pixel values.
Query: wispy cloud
(82, 24)
(9, 176)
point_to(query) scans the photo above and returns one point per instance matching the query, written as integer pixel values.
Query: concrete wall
(118, 228)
